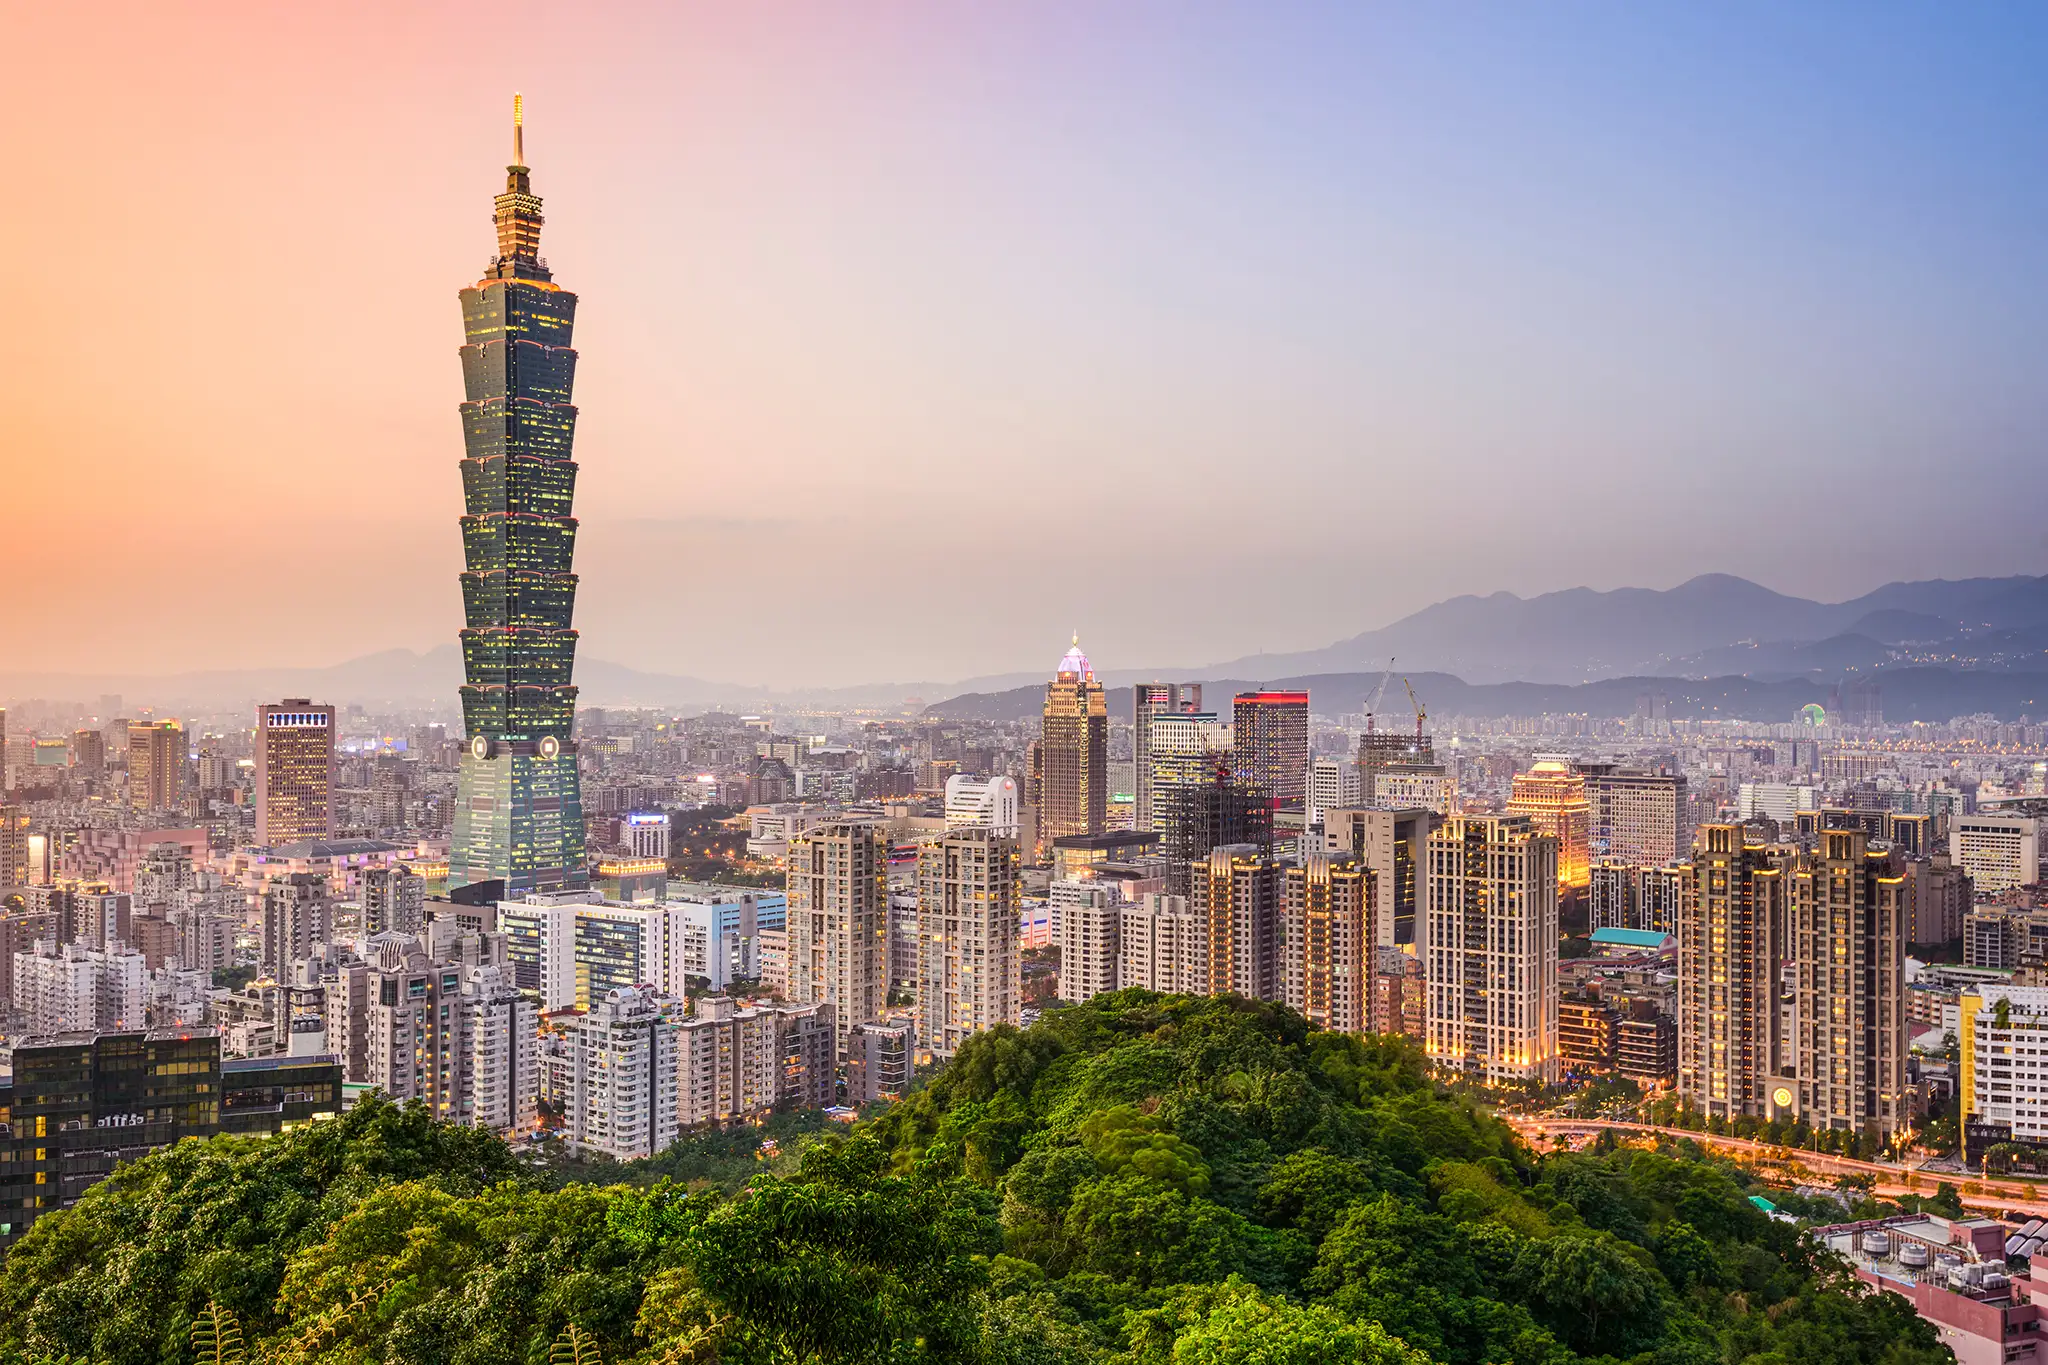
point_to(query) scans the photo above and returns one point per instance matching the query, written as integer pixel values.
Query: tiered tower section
(519, 814)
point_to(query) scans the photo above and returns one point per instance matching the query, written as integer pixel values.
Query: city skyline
(923, 275)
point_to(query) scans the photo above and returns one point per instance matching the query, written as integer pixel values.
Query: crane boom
(1372, 703)
(1420, 714)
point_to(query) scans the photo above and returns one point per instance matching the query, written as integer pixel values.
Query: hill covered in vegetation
(1142, 1180)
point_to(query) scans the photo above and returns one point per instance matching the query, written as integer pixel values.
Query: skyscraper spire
(518, 129)
(518, 211)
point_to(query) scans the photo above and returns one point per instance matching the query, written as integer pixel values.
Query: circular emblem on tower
(1782, 1097)
(481, 746)
(550, 747)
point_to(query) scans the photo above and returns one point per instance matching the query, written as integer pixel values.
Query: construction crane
(1420, 714)
(1372, 703)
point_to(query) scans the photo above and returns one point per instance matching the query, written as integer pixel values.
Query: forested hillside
(1143, 1180)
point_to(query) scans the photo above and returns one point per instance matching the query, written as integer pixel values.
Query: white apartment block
(1490, 954)
(62, 988)
(1332, 783)
(540, 943)
(623, 1070)
(986, 802)
(969, 967)
(1087, 917)
(1999, 852)
(1778, 801)
(1161, 946)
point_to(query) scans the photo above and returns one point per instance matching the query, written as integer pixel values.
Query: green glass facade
(519, 812)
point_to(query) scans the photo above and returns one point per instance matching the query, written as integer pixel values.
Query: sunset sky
(915, 336)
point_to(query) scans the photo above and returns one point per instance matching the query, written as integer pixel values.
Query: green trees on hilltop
(1142, 1180)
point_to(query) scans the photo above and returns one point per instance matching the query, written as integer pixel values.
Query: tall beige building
(1731, 924)
(1553, 796)
(1392, 843)
(1490, 948)
(1849, 909)
(1638, 817)
(13, 846)
(1070, 782)
(838, 926)
(294, 772)
(1160, 946)
(1327, 942)
(969, 970)
(156, 764)
(1090, 916)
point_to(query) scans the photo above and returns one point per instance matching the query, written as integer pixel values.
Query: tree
(1235, 1324)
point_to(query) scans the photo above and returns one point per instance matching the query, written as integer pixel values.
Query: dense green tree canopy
(1142, 1180)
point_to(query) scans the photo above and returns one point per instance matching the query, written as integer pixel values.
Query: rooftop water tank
(1913, 1255)
(1877, 1242)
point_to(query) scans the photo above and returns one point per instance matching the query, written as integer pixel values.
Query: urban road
(1890, 1179)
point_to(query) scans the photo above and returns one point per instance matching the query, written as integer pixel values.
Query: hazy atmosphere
(1025, 321)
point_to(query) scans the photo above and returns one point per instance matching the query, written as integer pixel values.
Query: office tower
(1269, 743)
(1089, 916)
(1730, 946)
(1327, 936)
(880, 1060)
(1847, 945)
(1071, 778)
(838, 921)
(14, 846)
(1393, 843)
(1637, 817)
(62, 988)
(988, 802)
(156, 765)
(1626, 896)
(1197, 802)
(540, 943)
(294, 772)
(393, 898)
(1148, 701)
(623, 1077)
(89, 753)
(969, 970)
(1490, 948)
(646, 834)
(298, 918)
(1554, 799)
(1237, 902)
(519, 809)
(1996, 852)
(1398, 770)
(1332, 785)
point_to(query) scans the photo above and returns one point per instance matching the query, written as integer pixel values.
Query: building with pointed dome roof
(1070, 767)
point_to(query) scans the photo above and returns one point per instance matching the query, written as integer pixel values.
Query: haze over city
(1203, 329)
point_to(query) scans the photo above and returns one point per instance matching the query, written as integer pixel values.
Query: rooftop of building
(329, 848)
(230, 1066)
(1632, 938)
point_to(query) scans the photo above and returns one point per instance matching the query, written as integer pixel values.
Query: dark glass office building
(519, 814)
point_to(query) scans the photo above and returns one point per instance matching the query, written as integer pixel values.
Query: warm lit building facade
(1392, 843)
(1848, 908)
(157, 757)
(1160, 946)
(1237, 903)
(838, 922)
(1490, 948)
(294, 772)
(1269, 741)
(969, 967)
(1553, 797)
(1327, 951)
(1730, 948)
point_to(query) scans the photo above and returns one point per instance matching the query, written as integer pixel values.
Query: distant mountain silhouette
(1580, 635)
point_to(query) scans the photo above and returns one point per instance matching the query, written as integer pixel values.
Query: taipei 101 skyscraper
(518, 813)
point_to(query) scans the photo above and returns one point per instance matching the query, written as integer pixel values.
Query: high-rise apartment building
(1730, 949)
(1637, 817)
(1160, 946)
(294, 772)
(1088, 917)
(393, 897)
(1071, 781)
(988, 802)
(1848, 909)
(540, 943)
(1628, 896)
(1942, 895)
(1149, 701)
(1997, 852)
(1332, 785)
(1490, 948)
(89, 753)
(838, 921)
(624, 1076)
(1269, 742)
(298, 917)
(1237, 902)
(970, 971)
(14, 823)
(519, 809)
(1553, 797)
(2004, 1078)
(157, 759)
(1393, 843)
(66, 987)
(1327, 952)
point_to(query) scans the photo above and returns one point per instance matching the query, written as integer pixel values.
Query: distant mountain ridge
(1579, 635)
